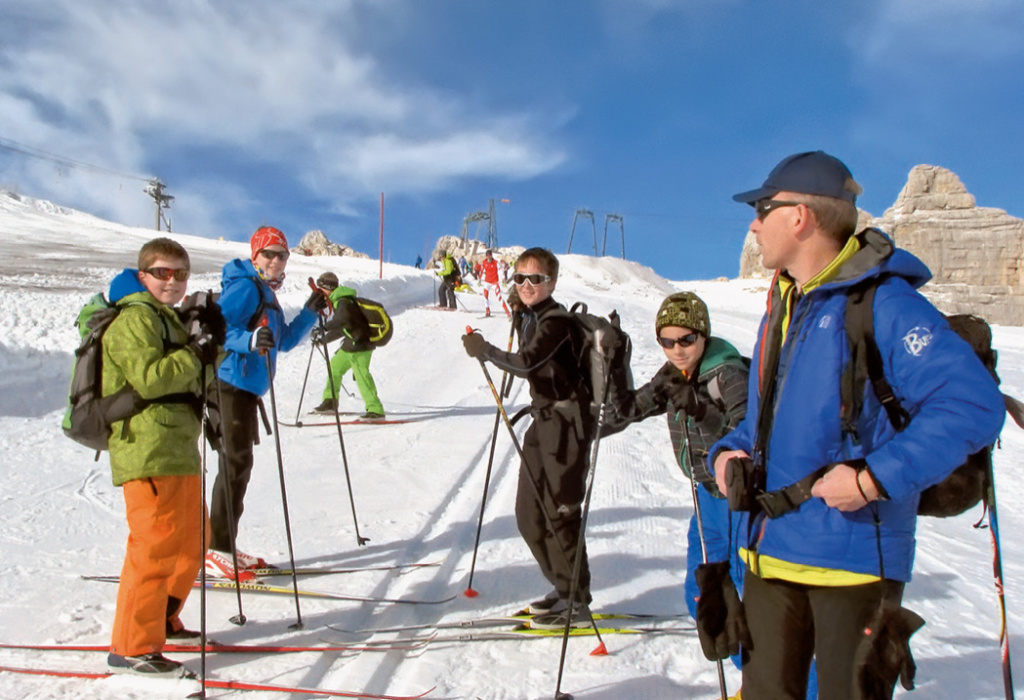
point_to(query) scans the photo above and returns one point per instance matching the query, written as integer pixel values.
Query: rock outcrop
(974, 253)
(316, 243)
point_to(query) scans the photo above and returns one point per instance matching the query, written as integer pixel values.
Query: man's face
(529, 293)
(684, 355)
(272, 260)
(773, 232)
(167, 291)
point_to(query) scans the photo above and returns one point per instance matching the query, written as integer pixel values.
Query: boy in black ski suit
(552, 478)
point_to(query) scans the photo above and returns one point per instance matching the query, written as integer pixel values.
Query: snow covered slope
(417, 491)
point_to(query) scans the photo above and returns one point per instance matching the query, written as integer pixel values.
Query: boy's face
(167, 291)
(529, 293)
(683, 357)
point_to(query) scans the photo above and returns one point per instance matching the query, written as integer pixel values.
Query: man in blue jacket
(819, 571)
(257, 330)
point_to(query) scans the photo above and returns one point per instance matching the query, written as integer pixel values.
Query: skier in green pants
(350, 323)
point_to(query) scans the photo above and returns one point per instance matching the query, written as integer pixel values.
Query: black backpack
(604, 357)
(969, 483)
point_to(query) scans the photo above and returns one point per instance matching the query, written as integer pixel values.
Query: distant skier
(489, 273)
(450, 277)
(349, 323)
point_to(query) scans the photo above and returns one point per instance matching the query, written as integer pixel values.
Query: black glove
(199, 313)
(884, 653)
(212, 323)
(721, 624)
(263, 340)
(205, 347)
(678, 391)
(475, 345)
(317, 301)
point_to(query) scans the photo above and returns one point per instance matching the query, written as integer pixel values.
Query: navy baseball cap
(813, 172)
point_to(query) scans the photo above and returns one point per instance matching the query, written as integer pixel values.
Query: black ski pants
(791, 623)
(446, 292)
(234, 412)
(555, 449)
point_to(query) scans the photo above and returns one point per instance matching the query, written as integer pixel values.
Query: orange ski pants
(161, 560)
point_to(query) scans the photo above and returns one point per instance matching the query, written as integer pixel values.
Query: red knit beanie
(265, 237)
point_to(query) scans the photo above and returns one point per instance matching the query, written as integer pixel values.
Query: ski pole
(284, 496)
(305, 378)
(601, 650)
(700, 533)
(469, 592)
(997, 571)
(532, 481)
(202, 539)
(360, 540)
(229, 503)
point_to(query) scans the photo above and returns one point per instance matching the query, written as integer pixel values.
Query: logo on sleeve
(917, 340)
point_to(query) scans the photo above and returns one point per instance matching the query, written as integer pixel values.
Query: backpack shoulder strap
(865, 362)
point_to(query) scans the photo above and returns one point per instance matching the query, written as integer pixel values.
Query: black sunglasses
(273, 254)
(684, 341)
(764, 207)
(536, 278)
(166, 273)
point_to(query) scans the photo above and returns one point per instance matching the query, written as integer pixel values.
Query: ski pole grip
(312, 285)
(469, 330)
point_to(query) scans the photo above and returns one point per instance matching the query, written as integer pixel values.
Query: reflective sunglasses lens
(165, 273)
(684, 341)
(534, 279)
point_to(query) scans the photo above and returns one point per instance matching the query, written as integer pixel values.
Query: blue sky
(300, 114)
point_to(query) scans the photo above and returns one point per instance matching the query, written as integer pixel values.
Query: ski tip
(470, 593)
(600, 650)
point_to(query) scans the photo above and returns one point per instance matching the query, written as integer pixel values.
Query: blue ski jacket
(955, 407)
(247, 303)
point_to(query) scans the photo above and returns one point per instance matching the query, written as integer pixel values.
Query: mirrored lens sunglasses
(764, 207)
(684, 341)
(166, 273)
(536, 278)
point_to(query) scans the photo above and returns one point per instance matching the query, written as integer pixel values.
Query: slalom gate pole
(284, 496)
(360, 540)
(238, 619)
(533, 482)
(506, 377)
(298, 410)
(700, 532)
(601, 650)
(997, 570)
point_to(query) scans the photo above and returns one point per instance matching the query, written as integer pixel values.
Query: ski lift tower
(614, 218)
(477, 217)
(582, 214)
(155, 189)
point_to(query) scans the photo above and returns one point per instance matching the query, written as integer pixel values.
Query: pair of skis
(224, 684)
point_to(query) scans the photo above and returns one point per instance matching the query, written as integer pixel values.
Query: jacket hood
(718, 352)
(126, 282)
(878, 256)
(342, 291)
(238, 268)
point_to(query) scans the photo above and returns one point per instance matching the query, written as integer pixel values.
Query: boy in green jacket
(154, 455)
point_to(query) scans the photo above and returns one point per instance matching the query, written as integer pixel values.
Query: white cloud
(117, 83)
(893, 33)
